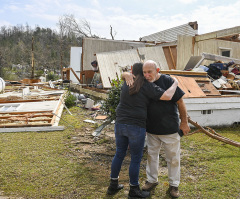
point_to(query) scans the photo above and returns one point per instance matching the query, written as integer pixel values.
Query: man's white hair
(151, 63)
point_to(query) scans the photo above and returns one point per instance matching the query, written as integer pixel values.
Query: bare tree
(111, 33)
(70, 26)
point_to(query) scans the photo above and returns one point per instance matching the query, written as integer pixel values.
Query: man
(162, 129)
(96, 81)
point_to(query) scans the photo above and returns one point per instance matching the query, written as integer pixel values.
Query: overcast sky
(131, 19)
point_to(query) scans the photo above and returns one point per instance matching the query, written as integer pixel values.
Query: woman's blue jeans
(134, 137)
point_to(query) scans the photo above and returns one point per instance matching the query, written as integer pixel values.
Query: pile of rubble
(223, 75)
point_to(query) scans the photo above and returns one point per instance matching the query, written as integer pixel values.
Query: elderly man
(162, 129)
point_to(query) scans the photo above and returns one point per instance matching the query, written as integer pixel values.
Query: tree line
(50, 48)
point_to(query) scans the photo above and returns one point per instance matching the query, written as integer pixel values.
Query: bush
(70, 99)
(110, 104)
(38, 73)
(9, 75)
(52, 76)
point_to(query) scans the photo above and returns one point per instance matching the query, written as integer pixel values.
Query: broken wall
(186, 48)
(112, 64)
(214, 46)
(92, 46)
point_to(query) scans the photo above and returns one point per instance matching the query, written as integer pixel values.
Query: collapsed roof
(169, 35)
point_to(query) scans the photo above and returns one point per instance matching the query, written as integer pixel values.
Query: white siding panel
(224, 111)
(110, 64)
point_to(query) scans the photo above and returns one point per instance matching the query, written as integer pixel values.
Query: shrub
(110, 104)
(52, 76)
(70, 99)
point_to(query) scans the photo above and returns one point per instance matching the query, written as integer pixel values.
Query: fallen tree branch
(214, 132)
(214, 135)
(197, 131)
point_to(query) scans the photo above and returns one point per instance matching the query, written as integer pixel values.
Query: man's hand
(184, 127)
(128, 77)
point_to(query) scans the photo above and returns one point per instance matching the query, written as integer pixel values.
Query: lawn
(72, 164)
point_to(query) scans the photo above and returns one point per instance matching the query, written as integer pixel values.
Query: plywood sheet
(190, 87)
(209, 89)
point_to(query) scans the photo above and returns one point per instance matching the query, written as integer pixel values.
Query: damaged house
(176, 50)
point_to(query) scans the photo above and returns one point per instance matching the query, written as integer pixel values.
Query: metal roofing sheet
(171, 34)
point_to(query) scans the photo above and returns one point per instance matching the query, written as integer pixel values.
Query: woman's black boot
(114, 187)
(136, 192)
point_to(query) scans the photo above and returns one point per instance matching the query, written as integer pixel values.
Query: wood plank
(23, 116)
(75, 75)
(27, 112)
(56, 112)
(180, 72)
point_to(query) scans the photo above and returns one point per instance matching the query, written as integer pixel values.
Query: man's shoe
(173, 191)
(149, 186)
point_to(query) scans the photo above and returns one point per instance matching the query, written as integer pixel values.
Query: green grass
(71, 164)
(214, 167)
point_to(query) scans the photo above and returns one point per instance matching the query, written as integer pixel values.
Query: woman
(130, 128)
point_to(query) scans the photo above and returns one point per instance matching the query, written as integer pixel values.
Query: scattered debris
(101, 117)
(100, 128)
(25, 107)
(90, 121)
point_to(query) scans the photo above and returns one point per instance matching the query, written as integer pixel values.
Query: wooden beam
(174, 65)
(75, 75)
(55, 113)
(178, 72)
(19, 113)
(21, 116)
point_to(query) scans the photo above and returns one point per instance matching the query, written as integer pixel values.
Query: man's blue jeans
(134, 137)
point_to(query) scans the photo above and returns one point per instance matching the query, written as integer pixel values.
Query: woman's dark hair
(137, 71)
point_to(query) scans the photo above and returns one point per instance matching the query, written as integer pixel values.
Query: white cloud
(216, 18)
(128, 26)
(95, 3)
(187, 1)
(13, 7)
(116, 10)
